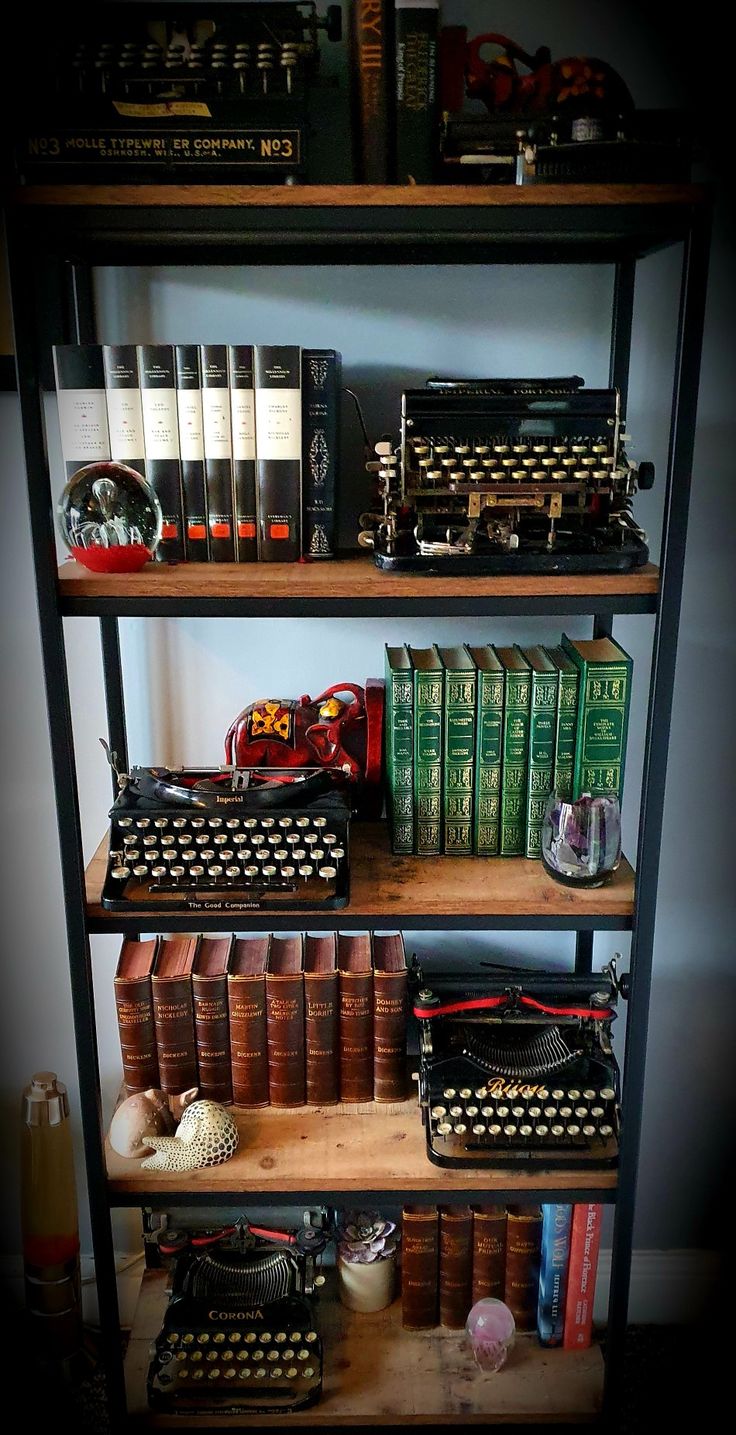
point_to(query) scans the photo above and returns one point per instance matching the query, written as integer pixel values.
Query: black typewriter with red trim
(517, 1068)
(240, 1331)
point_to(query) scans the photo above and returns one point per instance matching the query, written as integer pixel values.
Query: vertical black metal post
(22, 282)
(677, 498)
(621, 321)
(584, 953)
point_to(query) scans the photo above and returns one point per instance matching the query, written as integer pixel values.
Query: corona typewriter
(227, 839)
(517, 1069)
(507, 476)
(240, 1331)
(173, 91)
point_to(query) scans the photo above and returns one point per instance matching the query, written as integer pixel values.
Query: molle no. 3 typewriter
(507, 476)
(227, 839)
(518, 1070)
(201, 92)
(240, 1332)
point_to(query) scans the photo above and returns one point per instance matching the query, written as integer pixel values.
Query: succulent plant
(364, 1236)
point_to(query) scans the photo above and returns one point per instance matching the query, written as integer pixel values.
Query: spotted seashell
(206, 1136)
(137, 1119)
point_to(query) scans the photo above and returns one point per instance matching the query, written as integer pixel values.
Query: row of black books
(541, 1261)
(265, 1020)
(477, 737)
(239, 442)
(395, 68)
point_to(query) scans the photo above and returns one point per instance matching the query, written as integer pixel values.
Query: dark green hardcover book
(566, 724)
(428, 686)
(459, 744)
(399, 744)
(603, 715)
(488, 735)
(514, 750)
(542, 718)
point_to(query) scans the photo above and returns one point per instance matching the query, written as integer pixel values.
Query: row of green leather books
(477, 737)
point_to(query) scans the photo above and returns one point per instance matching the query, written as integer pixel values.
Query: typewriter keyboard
(501, 1121)
(447, 463)
(295, 859)
(277, 1368)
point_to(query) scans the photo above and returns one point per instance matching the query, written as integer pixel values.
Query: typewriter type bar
(237, 1337)
(225, 854)
(515, 475)
(521, 1077)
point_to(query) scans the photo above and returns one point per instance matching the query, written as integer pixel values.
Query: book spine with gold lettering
(246, 993)
(489, 1252)
(321, 1018)
(390, 1002)
(417, 130)
(173, 1014)
(355, 988)
(285, 1030)
(456, 1265)
(419, 1267)
(459, 750)
(372, 70)
(521, 1281)
(428, 697)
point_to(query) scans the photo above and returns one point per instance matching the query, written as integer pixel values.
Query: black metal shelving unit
(55, 237)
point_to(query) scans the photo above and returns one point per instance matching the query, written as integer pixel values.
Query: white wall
(186, 679)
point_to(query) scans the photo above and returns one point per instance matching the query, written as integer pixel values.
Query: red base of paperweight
(124, 558)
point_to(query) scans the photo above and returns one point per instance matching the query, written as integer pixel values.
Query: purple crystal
(581, 841)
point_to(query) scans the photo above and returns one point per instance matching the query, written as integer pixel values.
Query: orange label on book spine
(220, 530)
(279, 530)
(196, 530)
(246, 530)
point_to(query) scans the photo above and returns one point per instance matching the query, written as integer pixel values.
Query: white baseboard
(667, 1287)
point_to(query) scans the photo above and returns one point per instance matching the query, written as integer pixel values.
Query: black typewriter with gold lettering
(517, 1069)
(240, 1331)
(507, 476)
(227, 839)
(162, 91)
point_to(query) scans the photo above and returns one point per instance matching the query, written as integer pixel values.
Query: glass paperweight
(581, 841)
(490, 1328)
(110, 518)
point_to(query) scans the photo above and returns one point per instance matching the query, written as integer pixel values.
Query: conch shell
(144, 1114)
(206, 1136)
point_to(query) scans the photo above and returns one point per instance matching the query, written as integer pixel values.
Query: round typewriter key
(181, 1355)
(230, 1374)
(177, 872)
(573, 1131)
(234, 1337)
(509, 1131)
(589, 1132)
(518, 475)
(160, 822)
(605, 1132)
(478, 1129)
(597, 1112)
(542, 1132)
(288, 871)
(213, 823)
(197, 1375)
(319, 821)
(580, 474)
(265, 1337)
(548, 462)
(183, 1373)
(197, 822)
(487, 1111)
(250, 1337)
(119, 873)
(179, 822)
(125, 822)
(207, 854)
(465, 1092)
(449, 1092)
(444, 1128)
(569, 462)
(599, 474)
(211, 1355)
(517, 1112)
(526, 1132)
(258, 839)
(232, 871)
(291, 1373)
(258, 1355)
(285, 822)
(202, 839)
(267, 823)
(188, 1338)
(558, 1095)
(299, 854)
(269, 870)
(578, 448)
(273, 1355)
(185, 839)
(481, 1092)
(543, 1094)
(535, 1112)
(502, 1112)
(557, 1131)
(196, 1355)
(293, 839)
(242, 1355)
(203, 1339)
(538, 475)
(573, 1095)
(302, 821)
(456, 1110)
(214, 1373)
(317, 854)
(215, 870)
(307, 1372)
(528, 463)
(306, 869)
(244, 1374)
(521, 448)
(565, 1112)
(471, 1111)
(550, 1112)
(172, 1338)
(494, 1131)
(559, 448)
(301, 1354)
(220, 839)
(559, 475)
(142, 823)
(226, 854)
(232, 823)
(259, 1374)
(581, 1113)
(460, 1129)
(338, 853)
(311, 839)
(196, 870)
(539, 448)
(149, 841)
(607, 1094)
(438, 1112)
(261, 854)
(276, 1373)
(250, 823)
(240, 838)
(169, 854)
(129, 839)
(218, 1337)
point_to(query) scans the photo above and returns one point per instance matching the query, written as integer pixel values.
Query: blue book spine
(555, 1255)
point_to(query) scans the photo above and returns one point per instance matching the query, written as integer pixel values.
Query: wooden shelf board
(339, 585)
(432, 196)
(365, 1146)
(414, 892)
(376, 1373)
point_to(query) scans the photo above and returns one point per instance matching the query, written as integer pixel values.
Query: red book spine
(489, 1252)
(137, 1030)
(456, 1265)
(209, 995)
(419, 1267)
(174, 1016)
(585, 1240)
(523, 1243)
(248, 1048)
(285, 1035)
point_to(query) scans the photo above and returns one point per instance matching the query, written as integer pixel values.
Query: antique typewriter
(196, 92)
(507, 476)
(517, 1069)
(227, 839)
(240, 1331)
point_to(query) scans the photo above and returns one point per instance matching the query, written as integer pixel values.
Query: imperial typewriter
(240, 1331)
(227, 839)
(517, 1069)
(507, 476)
(200, 92)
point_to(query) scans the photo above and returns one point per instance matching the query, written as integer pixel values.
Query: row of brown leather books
(453, 1256)
(281, 1020)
